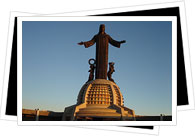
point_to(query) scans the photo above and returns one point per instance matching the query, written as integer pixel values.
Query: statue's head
(102, 28)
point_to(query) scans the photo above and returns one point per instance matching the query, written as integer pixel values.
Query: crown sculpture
(100, 99)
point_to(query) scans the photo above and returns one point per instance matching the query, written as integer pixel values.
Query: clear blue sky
(55, 67)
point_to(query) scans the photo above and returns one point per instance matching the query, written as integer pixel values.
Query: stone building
(99, 99)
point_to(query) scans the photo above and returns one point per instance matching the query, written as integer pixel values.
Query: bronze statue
(110, 72)
(101, 39)
(92, 68)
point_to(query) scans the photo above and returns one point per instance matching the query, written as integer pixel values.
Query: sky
(55, 67)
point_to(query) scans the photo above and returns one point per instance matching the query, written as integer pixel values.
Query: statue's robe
(101, 41)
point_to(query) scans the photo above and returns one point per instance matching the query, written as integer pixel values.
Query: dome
(100, 92)
(99, 99)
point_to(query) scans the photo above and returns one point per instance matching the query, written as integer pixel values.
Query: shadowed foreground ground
(31, 115)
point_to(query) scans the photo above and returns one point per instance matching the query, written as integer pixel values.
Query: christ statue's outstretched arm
(115, 43)
(88, 43)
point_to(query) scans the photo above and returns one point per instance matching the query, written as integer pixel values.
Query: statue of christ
(101, 39)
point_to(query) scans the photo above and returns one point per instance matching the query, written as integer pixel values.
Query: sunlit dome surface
(100, 91)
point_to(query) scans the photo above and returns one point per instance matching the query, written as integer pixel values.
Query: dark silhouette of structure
(100, 99)
(101, 39)
(92, 69)
(110, 72)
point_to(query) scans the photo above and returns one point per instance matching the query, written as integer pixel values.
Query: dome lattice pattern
(100, 92)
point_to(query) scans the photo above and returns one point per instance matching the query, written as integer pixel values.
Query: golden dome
(99, 99)
(101, 92)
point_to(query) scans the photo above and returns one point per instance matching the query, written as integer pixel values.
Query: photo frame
(182, 91)
(78, 20)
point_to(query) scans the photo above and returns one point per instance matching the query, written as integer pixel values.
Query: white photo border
(104, 18)
(165, 5)
(8, 64)
(154, 131)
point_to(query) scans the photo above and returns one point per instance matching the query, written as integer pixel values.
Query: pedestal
(99, 99)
